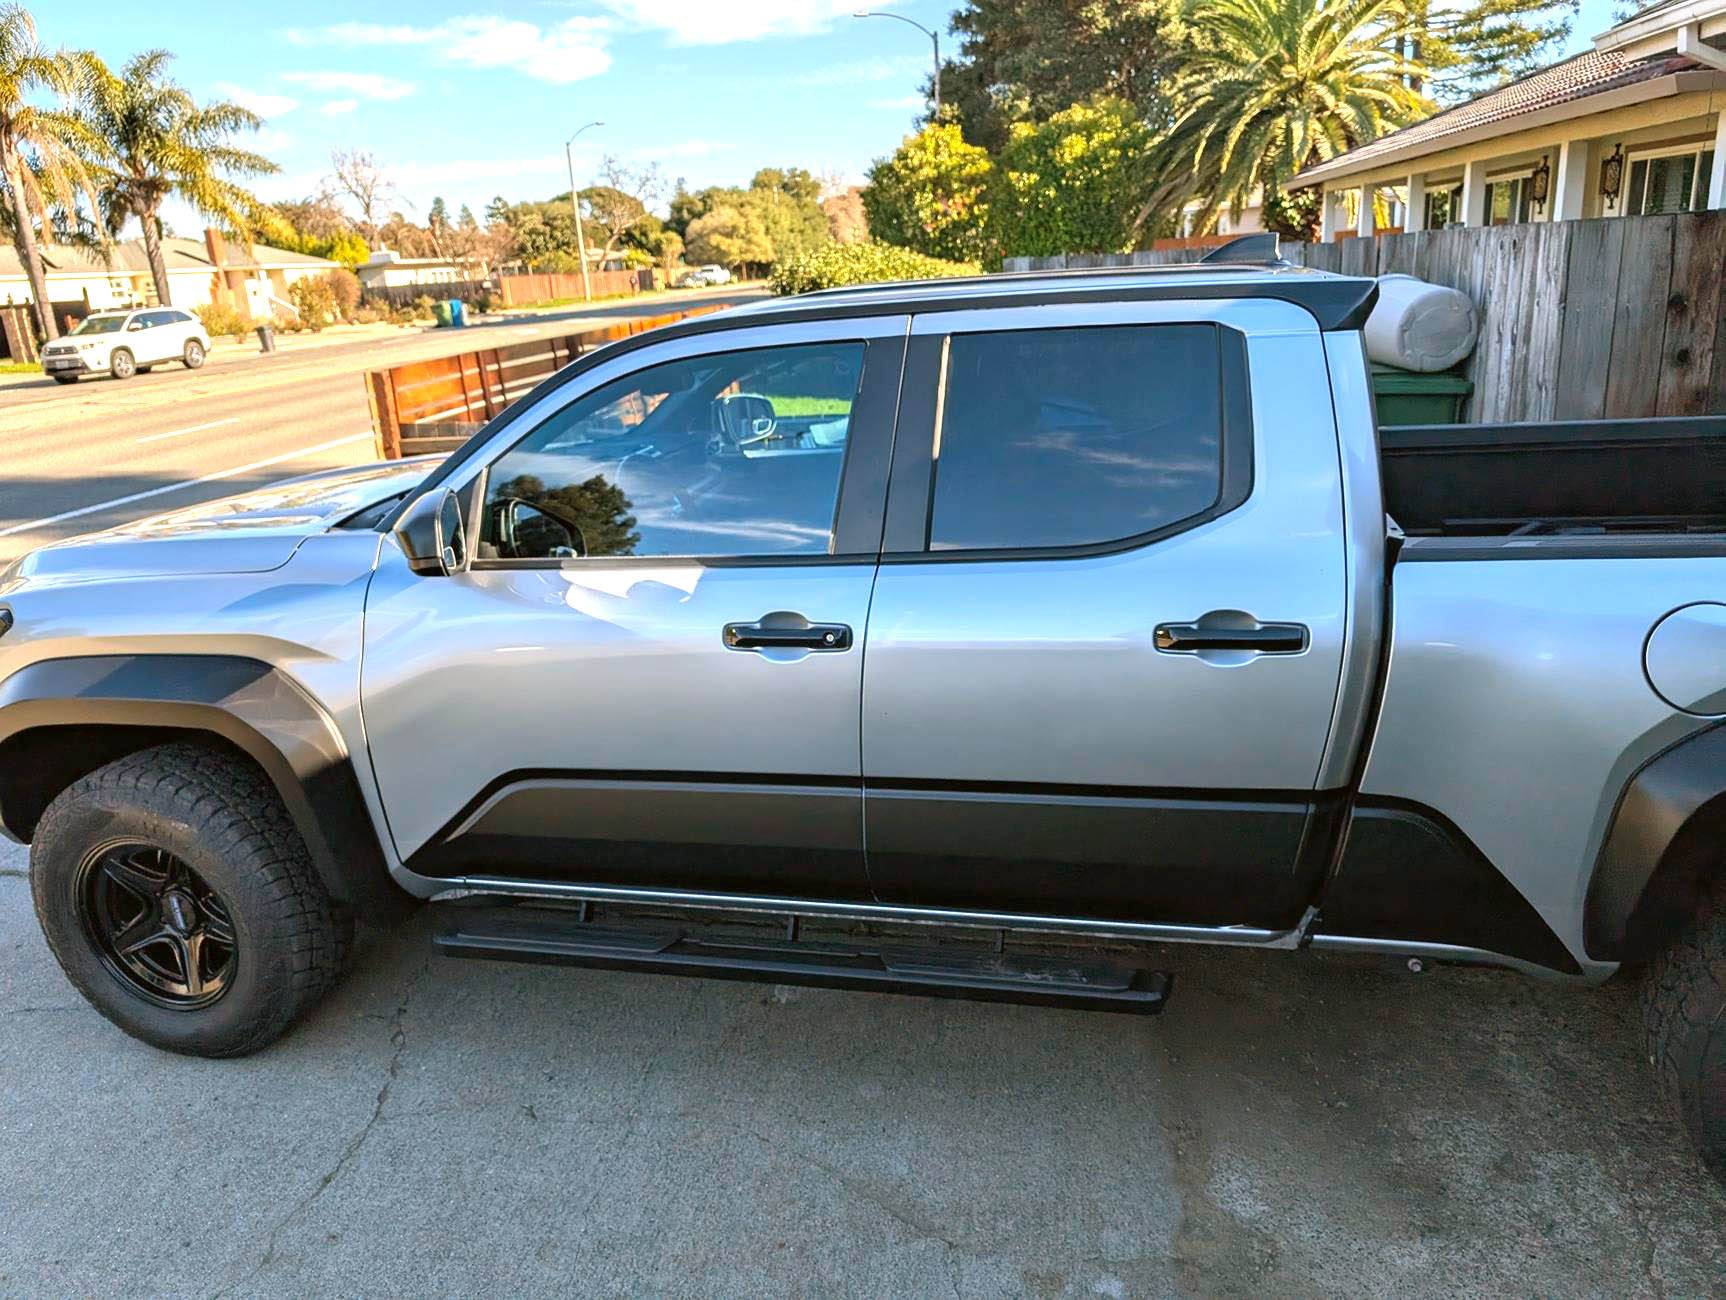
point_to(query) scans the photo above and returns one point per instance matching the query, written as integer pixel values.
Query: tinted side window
(1072, 437)
(738, 453)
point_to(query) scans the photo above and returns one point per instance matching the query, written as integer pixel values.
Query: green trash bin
(440, 309)
(1410, 397)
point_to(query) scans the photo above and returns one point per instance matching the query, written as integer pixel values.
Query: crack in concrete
(15, 873)
(37, 1011)
(351, 1149)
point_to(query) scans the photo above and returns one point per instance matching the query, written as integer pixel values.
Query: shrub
(345, 285)
(219, 319)
(840, 264)
(316, 301)
(369, 316)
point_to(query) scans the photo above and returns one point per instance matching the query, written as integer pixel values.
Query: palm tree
(162, 143)
(1273, 85)
(41, 163)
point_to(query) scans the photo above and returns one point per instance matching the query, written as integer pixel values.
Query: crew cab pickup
(976, 638)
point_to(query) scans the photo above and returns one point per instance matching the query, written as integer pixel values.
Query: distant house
(388, 269)
(80, 280)
(1635, 126)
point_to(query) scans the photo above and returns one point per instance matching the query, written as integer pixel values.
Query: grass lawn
(20, 367)
(795, 408)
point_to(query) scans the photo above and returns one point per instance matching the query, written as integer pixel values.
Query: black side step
(558, 938)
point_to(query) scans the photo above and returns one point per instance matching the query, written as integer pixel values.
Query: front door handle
(1263, 638)
(787, 635)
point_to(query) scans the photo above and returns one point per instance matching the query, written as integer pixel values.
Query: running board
(559, 938)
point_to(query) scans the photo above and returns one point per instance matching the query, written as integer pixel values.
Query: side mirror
(135, 325)
(526, 531)
(432, 536)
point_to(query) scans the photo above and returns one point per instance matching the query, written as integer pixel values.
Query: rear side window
(1076, 437)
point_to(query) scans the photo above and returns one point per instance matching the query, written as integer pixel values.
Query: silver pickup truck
(959, 638)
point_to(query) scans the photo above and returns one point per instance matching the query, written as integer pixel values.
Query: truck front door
(651, 674)
(1105, 641)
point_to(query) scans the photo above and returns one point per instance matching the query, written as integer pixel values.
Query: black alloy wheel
(159, 928)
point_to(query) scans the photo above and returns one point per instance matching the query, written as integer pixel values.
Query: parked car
(125, 343)
(1145, 662)
(703, 276)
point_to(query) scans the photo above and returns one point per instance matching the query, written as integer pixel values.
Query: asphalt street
(1292, 1126)
(76, 458)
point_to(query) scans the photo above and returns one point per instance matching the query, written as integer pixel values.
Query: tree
(160, 142)
(596, 506)
(1073, 184)
(42, 150)
(620, 203)
(731, 236)
(358, 177)
(846, 221)
(1276, 85)
(932, 195)
(1025, 60)
(1463, 45)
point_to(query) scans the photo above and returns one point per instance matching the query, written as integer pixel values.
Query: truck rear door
(1105, 641)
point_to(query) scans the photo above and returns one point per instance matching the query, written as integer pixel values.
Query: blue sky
(468, 99)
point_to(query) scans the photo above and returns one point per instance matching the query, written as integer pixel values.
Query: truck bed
(1602, 479)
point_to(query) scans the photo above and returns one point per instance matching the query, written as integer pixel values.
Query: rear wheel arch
(62, 719)
(1664, 849)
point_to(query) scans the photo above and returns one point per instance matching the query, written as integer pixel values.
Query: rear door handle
(1264, 639)
(785, 636)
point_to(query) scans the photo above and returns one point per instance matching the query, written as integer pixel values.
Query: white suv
(125, 342)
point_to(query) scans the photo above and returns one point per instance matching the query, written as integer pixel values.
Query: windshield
(100, 325)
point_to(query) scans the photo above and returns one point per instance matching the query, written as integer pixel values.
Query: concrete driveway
(1293, 1126)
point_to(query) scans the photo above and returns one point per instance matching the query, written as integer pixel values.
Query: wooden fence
(406, 295)
(525, 290)
(1614, 318)
(435, 406)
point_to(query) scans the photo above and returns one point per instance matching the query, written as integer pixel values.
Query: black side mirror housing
(432, 535)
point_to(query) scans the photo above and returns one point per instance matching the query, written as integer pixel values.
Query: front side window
(734, 454)
(100, 325)
(1074, 437)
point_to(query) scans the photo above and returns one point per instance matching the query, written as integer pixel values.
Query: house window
(1443, 206)
(1507, 200)
(1672, 180)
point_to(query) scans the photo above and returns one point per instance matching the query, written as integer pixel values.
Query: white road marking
(191, 482)
(196, 428)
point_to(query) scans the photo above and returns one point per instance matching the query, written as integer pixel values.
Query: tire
(65, 379)
(1684, 1007)
(194, 354)
(122, 364)
(243, 872)
(144, 370)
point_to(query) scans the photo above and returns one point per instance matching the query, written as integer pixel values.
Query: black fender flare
(1663, 833)
(119, 703)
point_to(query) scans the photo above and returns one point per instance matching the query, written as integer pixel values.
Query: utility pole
(575, 202)
(934, 40)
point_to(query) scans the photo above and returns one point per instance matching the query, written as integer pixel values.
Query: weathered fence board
(1610, 318)
(406, 295)
(433, 406)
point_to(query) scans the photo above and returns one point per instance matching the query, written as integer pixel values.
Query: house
(1250, 221)
(388, 269)
(200, 272)
(1634, 126)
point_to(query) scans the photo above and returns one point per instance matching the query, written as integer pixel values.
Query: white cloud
(900, 102)
(724, 22)
(572, 50)
(338, 106)
(269, 140)
(260, 102)
(365, 85)
(849, 74)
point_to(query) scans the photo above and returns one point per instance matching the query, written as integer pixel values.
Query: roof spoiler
(1259, 248)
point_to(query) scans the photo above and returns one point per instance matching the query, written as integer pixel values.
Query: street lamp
(575, 202)
(934, 40)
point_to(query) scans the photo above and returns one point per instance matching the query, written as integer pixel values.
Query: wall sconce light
(1612, 176)
(1540, 183)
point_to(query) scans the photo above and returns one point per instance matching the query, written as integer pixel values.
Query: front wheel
(65, 379)
(122, 365)
(181, 902)
(1684, 1002)
(193, 356)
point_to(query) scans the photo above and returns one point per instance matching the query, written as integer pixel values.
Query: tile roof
(1592, 72)
(127, 258)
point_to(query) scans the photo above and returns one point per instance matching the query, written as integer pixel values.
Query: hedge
(840, 264)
